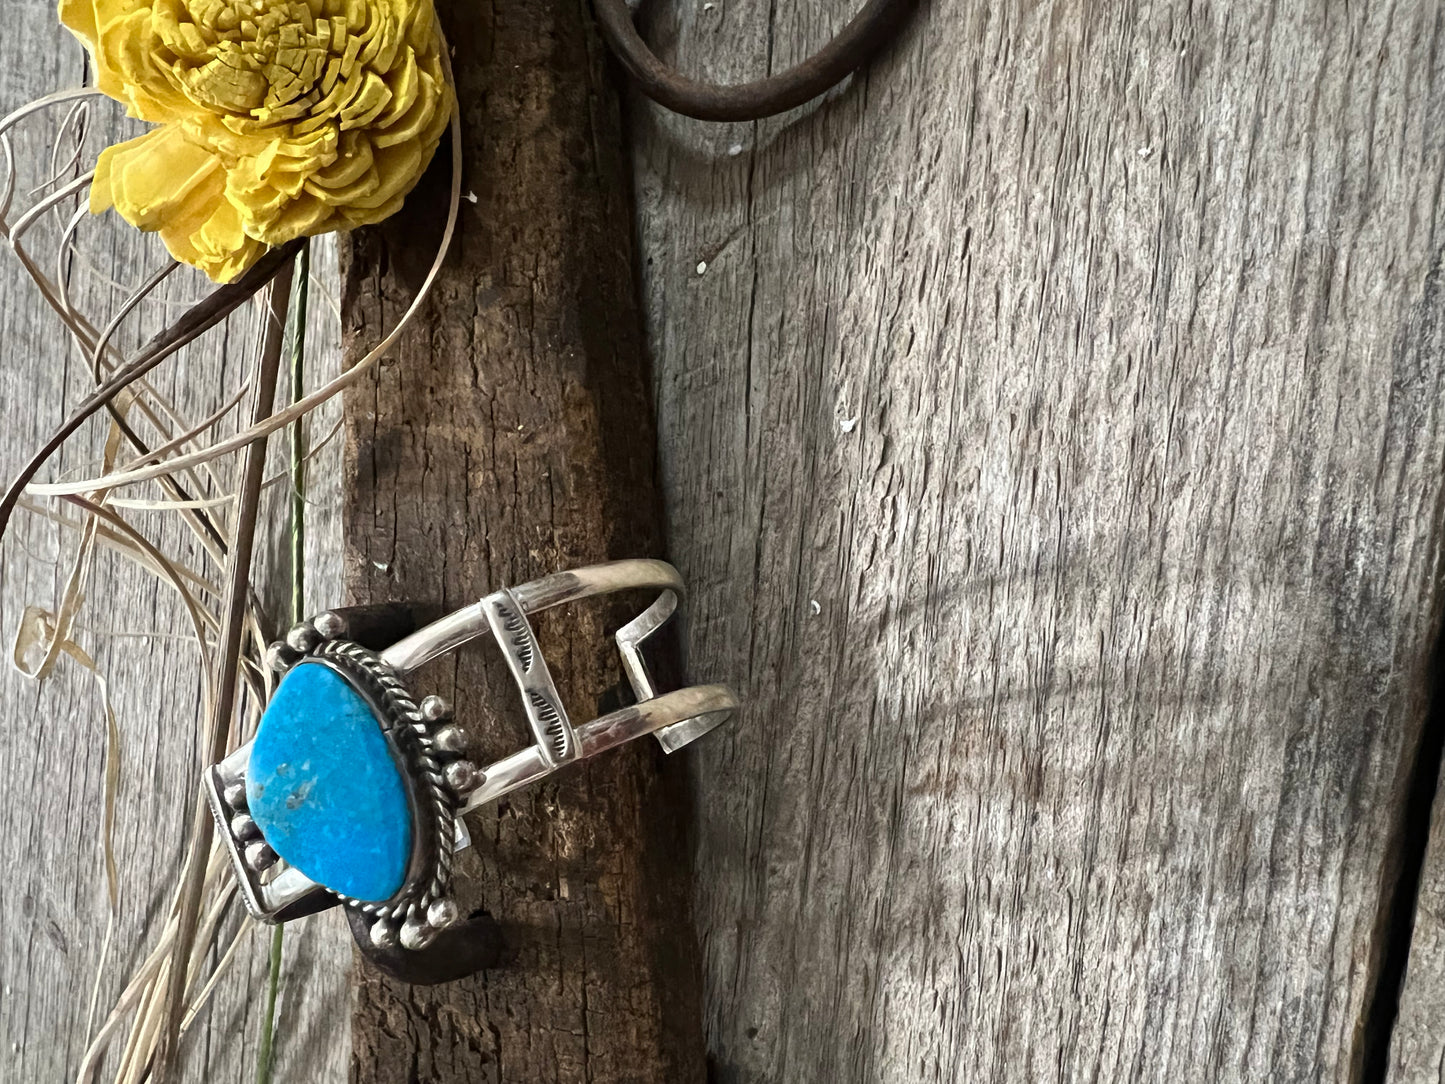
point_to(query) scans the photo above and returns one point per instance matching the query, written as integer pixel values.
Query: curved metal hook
(857, 43)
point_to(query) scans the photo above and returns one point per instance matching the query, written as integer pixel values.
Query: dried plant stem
(253, 466)
(266, 1053)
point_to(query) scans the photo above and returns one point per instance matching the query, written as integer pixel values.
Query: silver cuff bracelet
(353, 789)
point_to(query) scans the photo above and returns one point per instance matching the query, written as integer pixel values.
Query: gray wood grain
(53, 894)
(1050, 424)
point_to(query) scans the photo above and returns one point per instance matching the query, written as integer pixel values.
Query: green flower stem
(266, 1055)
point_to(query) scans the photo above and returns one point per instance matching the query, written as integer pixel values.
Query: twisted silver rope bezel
(412, 740)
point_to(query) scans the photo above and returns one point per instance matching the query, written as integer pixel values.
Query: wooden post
(511, 436)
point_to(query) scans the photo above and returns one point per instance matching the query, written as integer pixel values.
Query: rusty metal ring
(857, 43)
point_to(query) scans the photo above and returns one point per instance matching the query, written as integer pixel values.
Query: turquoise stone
(324, 788)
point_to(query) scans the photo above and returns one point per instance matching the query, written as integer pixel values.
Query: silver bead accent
(383, 934)
(452, 739)
(243, 827)
(303, 637)
(463, 776)
(235, 795)
(259, 855)
(330, 625)
(434, 709)
(442, 913)
(279, 657)
(416, 934)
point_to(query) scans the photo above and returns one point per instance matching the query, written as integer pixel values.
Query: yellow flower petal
(281, 118)
(425, 121)
(304, 216)
(371, 98)
(161, 179)
(220, 247)
(80, 17)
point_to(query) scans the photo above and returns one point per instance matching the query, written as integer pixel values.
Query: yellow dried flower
(278, 118)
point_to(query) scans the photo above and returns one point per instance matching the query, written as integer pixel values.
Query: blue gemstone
(324, 788)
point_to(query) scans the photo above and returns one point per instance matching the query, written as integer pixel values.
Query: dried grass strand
(303, 406)
(7, 149)
(220, 303)
(125, 545)
(168, 569)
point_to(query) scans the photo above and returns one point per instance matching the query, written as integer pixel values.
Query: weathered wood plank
(1051, 425)
(510, 437)
(53, 894)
